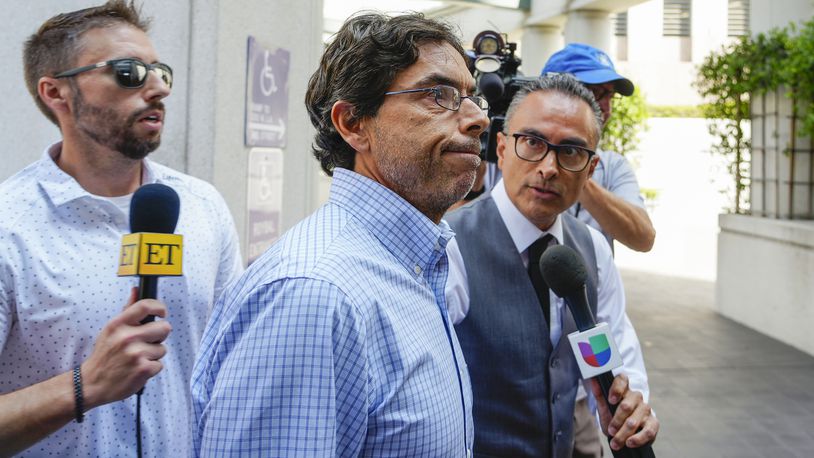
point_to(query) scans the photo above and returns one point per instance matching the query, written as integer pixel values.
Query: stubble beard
(431, 193)
(101, 125)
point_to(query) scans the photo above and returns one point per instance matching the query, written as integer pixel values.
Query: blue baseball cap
(589, 65)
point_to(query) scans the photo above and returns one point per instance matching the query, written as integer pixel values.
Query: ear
(349, 126)
(592, 165)
(55, 94)
(500, 149)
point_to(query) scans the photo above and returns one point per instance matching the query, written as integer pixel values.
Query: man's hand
(633, 425)
(124, 357)
(126, 353)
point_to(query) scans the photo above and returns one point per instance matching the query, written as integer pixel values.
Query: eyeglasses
(447, 97)
(600, 92)
(130, 73)
(534, 149)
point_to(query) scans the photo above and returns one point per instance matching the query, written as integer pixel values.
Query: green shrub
(627, 121)
(675, 111)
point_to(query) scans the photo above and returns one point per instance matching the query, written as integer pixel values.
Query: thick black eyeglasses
(130, 73)
(534, 149)
(447, 97)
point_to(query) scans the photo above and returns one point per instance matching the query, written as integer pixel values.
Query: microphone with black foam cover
(564, 271)
(491, 86)
(152, 249)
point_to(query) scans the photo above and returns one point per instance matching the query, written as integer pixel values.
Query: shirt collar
(403, 230)
(62, 188)
(522, 231)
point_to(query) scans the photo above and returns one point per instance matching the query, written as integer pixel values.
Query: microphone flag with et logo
(147, 253)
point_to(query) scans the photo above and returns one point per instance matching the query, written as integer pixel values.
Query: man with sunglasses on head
(70, 356)
(336, 342)
(512, 329)
(611, 200)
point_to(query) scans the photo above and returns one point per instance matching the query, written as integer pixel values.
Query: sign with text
(147, 253)
(266, 96)
(265, 199)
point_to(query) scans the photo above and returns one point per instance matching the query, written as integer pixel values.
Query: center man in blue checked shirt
(337, 342)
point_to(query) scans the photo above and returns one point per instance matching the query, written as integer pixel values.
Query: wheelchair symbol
(268, 85)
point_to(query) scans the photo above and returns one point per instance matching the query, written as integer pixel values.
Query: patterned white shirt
(59, 250)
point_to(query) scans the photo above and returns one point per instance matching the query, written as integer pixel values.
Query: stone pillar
(539, 42)
(592, 27)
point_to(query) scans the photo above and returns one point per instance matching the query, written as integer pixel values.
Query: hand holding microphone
(126, 353)
(152, 249)
(623, 413)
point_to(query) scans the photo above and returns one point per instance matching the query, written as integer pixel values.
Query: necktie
(535, 252)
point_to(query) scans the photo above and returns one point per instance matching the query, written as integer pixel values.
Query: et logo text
(151, 254)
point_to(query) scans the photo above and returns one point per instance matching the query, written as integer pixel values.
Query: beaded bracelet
(77, 395)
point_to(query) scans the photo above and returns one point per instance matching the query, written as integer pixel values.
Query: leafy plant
(796, 71)
(780, 58)
(727, 79)
(675, 111)
(628, 119)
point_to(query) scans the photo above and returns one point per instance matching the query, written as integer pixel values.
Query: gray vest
(524, 390)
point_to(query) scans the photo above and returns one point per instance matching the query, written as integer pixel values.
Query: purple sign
(265, 199)
(266, 96)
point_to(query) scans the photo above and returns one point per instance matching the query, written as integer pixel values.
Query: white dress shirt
(59, 249)
(610, 291)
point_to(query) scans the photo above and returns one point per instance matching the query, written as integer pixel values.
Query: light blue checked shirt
(337, 342)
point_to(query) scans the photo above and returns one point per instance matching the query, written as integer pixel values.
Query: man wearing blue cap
(611, 200)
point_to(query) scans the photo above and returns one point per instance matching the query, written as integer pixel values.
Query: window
(620, 24)
(620, 32)
(738, 18)
(677, 14)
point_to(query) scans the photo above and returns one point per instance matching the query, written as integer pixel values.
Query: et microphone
(564, 271)
(152, 249)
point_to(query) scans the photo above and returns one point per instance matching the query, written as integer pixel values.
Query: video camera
(495, 68)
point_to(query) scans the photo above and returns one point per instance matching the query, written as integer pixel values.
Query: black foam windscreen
(563, 270)
(154, 208)
(491, 86)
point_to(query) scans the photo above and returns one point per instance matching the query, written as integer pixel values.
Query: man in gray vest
(511, 328)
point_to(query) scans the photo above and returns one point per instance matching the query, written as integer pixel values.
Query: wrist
(90, 392)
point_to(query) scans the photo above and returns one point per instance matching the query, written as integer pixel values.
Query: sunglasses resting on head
(131, 73)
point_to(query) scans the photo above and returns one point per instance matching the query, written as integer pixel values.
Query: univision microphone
(594, 348)
(152, 249)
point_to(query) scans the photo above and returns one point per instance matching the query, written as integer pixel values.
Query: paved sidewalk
(720, 389)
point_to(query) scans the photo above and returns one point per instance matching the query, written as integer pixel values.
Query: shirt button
(558, 435)
(555, 398)
(555, 362)
(417, 269)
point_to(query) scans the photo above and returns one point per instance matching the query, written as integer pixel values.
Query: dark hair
(562, 83)
(56, 45)
(358, 66)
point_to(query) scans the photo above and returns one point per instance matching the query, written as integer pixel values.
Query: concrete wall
(766, 265)
(767, 14)
(205, 43)
(765, 268)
